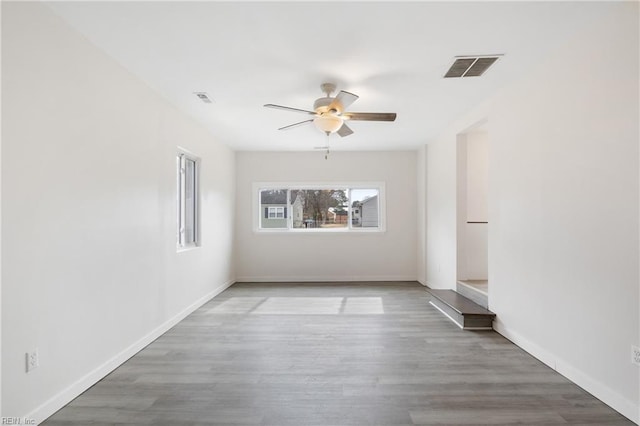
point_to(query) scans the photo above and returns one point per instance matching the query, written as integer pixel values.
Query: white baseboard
(532, 349)
(436, 287)
(58, 401)
(427, 284)
(627, 408)
(323, 278)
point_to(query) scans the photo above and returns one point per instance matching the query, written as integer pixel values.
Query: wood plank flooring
(331, 354)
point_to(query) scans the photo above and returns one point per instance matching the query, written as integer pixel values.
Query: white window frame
(257, 211)
(181, 200)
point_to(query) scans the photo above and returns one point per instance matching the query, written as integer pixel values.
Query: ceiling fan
(329, 113)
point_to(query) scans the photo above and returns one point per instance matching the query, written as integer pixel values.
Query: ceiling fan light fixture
(328, 123)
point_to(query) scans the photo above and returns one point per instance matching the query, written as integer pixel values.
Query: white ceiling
(393, 55)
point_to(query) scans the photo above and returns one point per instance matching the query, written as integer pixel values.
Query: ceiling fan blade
(343, 101)
(344, 130)
(369, 116)
(286, 108)
(295, 124)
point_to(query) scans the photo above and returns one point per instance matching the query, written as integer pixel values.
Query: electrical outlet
(32, 360)
(635, 355)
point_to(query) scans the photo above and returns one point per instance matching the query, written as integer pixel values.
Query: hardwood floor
(331, 354)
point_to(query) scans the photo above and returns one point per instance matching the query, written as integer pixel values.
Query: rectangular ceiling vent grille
(470, 66)
(203, 97)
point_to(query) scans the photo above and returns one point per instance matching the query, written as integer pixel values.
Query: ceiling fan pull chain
(326, 155)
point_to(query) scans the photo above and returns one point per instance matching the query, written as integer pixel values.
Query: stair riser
(466, 322)
(477, 323)
(446, 309)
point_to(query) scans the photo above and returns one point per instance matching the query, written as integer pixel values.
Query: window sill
(318, 231)
(181, 249)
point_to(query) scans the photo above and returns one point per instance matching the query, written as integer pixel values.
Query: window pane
(365, 208)
(190, 201)
(273, 208)
(319, 208)
(180, 199)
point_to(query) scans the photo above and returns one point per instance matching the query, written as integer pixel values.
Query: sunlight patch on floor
(300, 306)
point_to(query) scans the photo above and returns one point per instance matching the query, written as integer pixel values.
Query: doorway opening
(472, 214)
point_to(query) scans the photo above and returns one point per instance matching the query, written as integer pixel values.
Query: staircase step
(462, 311)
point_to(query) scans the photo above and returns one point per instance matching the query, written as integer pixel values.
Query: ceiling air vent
(203, 97)
(470, 66)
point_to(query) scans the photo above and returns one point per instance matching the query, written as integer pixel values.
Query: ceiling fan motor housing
(322, 104)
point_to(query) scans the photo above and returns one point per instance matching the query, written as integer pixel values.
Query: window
(365, 206)
(188, 170)
(320, 207)
(276, 213)
(273, 208)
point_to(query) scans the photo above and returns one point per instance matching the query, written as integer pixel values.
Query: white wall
(564, 208)
(442, 218)
(0, 228)
(90, 270)
(477, 176)
(421, 229)
(390, 255)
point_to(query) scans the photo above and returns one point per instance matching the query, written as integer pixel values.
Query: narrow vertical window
(188, 197)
